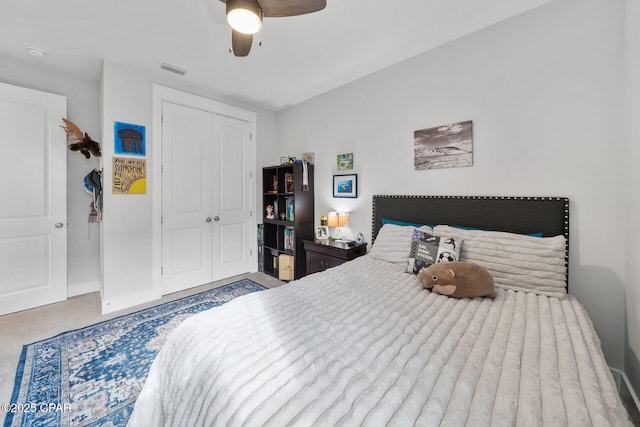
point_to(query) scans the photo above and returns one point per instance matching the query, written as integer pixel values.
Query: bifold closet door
(33, 206)
(233, 231)
(188, 141)
(206, 197)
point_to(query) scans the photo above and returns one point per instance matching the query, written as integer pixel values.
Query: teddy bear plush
(458, 279)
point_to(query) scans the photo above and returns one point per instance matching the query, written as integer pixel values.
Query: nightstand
(323, 254)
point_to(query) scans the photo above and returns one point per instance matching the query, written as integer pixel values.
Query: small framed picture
(322, 232)
(308, 157)
(345, 161)
(345, 186)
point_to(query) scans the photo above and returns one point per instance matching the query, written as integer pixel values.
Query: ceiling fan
(245, 17)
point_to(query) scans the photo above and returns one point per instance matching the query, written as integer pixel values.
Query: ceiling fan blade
(241, 43)
(279, 8)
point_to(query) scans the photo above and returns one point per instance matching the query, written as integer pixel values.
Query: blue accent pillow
(401, 223)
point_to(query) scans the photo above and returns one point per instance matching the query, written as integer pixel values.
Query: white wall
(127, 228)
(127, 240)
(544, 91)
(632, 178)
(126, 98)
(83, 240)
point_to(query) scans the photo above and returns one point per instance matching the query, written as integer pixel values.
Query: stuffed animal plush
(86, 146)
(458, 279)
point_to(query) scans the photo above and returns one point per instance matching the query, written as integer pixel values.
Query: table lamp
(338, 219)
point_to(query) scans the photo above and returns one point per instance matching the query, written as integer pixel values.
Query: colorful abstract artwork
(129, 139)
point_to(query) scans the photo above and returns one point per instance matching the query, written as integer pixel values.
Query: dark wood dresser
(323, 254)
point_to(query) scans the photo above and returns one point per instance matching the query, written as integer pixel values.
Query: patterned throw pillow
(427, 249)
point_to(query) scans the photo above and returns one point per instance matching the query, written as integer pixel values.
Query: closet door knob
(216, 218)
(208, 219)
(59, 225)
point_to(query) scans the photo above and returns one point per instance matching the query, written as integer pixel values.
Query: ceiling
(300, 57)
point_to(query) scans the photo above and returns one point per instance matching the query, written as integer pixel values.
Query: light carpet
(93, 375)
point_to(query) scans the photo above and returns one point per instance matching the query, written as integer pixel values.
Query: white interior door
(33, 207)
(207, 231)
(187, 182)
(233, 232)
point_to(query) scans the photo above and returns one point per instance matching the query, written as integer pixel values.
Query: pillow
(517, 262)
(393, 243)
(462, 227)
(427, 249)
(401, 223)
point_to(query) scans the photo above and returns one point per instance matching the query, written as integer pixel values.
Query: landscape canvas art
(446, 146)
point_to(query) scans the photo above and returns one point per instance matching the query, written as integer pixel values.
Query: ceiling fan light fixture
(244, 16)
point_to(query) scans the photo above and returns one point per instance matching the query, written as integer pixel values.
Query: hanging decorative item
(93, 185)
(86, 145)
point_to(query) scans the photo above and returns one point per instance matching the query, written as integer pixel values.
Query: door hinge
(161, 271)
(250, 213)
(250, 252)
(161, 220)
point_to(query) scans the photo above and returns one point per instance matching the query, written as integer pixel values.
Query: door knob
(216, 218)
(59, 225)
(208, 219)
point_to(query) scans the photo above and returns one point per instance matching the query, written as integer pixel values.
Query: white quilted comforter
(364, 344)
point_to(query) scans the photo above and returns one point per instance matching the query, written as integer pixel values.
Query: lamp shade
(244, 16)
(338, 219)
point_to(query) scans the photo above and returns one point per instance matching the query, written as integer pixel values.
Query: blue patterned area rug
(92, 376)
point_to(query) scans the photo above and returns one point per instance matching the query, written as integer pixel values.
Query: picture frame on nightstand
(322, 232)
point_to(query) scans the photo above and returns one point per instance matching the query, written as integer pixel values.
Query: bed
(364, 344)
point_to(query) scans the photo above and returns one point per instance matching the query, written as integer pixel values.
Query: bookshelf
(289, 220)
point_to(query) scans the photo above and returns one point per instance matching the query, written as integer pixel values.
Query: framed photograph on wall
(345, 186)
(445, 146)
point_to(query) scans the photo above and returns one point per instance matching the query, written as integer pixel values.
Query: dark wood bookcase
(293, 208)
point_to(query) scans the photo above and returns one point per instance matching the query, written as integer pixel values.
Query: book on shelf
(290, 210)
(289, 239)
(288, 183)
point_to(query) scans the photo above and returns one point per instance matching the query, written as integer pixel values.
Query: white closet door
(233, 233)
(33, 199)
(187, 182)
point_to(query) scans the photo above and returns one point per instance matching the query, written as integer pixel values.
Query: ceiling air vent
(173, 68)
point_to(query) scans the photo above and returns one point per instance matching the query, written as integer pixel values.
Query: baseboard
(82, 288)
(628, 394)
(130, 300)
